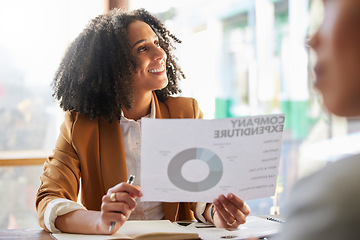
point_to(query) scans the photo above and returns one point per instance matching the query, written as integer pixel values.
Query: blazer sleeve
(61, 175)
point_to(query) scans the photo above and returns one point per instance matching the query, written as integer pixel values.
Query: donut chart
(203, 154)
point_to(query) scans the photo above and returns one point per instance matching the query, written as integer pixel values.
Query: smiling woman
(102, 86)
(121, 67)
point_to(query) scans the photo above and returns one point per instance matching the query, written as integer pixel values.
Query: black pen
(275, 220)
(130, 181)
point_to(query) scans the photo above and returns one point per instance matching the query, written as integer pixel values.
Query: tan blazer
(90, 153)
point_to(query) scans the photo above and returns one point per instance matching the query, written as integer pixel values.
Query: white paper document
(196, 160)
(255, 227)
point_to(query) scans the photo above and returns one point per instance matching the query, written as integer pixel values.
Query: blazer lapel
(112, 154)
(161, 110)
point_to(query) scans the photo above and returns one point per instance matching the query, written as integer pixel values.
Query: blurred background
(241, 57)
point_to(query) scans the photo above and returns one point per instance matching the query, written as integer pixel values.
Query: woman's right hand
(118, 211)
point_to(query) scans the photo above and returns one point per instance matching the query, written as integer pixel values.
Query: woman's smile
(159, 70)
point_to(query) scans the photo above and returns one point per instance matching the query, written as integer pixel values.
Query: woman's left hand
(230, 211)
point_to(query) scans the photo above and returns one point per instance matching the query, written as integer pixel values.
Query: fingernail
(230, 195)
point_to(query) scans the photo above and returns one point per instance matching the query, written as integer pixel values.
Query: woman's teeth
(157, 70)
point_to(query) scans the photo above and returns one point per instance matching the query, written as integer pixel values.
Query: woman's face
(150, 58)
(337, 44)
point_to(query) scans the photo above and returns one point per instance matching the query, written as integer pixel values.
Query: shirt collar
(152, 113)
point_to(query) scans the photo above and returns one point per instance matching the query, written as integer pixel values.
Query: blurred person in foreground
(326, 205)
(119, 69)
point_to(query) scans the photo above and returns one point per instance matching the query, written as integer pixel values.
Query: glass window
(18, 187)
(34, 36)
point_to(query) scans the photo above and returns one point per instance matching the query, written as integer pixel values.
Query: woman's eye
(157, 43)
(142, 49)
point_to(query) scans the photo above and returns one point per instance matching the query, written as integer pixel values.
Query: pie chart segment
(209, 157)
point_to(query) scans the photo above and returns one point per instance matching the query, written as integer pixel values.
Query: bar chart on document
(195, 160)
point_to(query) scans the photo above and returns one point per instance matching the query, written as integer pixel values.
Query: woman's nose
(313, 41)
(159, 54)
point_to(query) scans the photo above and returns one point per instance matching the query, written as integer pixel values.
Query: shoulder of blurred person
(326, 205)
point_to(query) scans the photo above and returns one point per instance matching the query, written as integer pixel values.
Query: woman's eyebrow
(140, 41)
(145, 40)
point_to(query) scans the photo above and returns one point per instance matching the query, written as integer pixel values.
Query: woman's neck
(140, 107)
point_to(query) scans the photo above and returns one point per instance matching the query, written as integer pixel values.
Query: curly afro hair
(96, 74)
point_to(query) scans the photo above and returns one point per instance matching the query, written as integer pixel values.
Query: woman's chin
(164, 85)
(340, 108)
